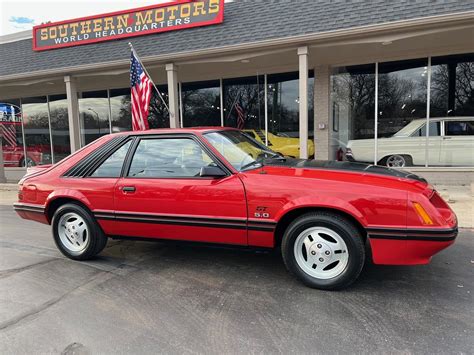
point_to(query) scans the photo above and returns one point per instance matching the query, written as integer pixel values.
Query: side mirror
(212, 171)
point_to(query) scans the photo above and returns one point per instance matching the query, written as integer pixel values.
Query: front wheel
(323, 250)
(76, 233)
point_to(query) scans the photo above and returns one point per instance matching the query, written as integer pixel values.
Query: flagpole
(146, 72)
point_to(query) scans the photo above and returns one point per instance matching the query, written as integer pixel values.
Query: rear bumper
(31, 211)
(408, 246)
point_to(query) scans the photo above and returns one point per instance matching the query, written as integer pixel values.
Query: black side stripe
(28, 208)
(440, 235)
(188, 221)
(398, 237)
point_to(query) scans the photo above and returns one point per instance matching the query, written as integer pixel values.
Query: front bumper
(408, 246)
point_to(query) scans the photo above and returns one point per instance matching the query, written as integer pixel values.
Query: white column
(172, 74)
(322, 113)
(73, 113)
(303, 100)
(3, 179)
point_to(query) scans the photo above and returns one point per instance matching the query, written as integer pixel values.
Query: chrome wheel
(396, 161)
(73, 232)
(321, 253)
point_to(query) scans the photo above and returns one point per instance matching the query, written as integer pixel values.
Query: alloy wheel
(321, 252)
(396, 161)
(73, 232)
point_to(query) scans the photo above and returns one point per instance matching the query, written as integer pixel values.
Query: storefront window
(158, 115)
(37, 133)
(353, 110)
(244, 107)
(402, 103)
(59, 126)
(121, 118)
(452, 106)
(283, 113)
(201, 103)
(11, 133)
(93, 115)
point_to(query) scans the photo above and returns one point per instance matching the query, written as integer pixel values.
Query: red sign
(136, 22)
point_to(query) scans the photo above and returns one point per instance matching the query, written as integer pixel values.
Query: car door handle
(446, 138)
(128, 189)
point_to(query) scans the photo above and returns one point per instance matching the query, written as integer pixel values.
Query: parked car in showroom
(451, 143)
(218, 185)
(287, 146)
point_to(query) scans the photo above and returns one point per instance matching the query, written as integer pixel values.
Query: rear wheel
(397, 161)
(76, 233)
(323, 250)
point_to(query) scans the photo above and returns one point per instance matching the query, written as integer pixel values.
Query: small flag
(8, 132)
(240, 116)
(140, 85)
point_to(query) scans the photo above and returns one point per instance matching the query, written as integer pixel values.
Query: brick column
(303, 99)
(321, 112)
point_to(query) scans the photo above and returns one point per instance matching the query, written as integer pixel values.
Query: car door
(457, 146)
(162, 194)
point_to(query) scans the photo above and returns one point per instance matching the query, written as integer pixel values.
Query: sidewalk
(460, 198)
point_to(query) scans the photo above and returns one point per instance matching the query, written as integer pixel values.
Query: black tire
(345, 229)
(408, 160)
(96, 240)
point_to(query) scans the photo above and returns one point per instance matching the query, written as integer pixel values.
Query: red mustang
(218, 185)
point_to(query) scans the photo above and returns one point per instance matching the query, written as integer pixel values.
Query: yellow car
(286, 146)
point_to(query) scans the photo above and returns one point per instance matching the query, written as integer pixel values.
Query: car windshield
(409, 128)
(240, 150)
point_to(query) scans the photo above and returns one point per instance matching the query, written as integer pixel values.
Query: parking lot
(139, 297)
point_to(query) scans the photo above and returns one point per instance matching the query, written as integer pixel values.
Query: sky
(20, 15)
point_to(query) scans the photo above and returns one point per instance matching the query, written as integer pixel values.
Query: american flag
(8, 132)
(240, 116)
(140, 85)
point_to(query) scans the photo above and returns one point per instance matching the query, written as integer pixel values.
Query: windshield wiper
(255, 162)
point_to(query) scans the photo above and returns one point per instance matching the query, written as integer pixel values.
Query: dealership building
(333, 79)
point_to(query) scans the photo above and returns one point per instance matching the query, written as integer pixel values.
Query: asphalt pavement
(140, 297)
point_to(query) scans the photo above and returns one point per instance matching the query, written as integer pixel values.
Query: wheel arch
(58, 199)
(291, 215)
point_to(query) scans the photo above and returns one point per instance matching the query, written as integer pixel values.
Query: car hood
(343, 166)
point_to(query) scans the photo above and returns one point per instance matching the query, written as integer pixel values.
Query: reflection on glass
(11, 133)
(36, 127)
(402, 99)
(59, 127)
(93, 115)
(283, 113)
(158, 115)
(452, 95)
(352, 110)
(121, 119)
(201, 104)
(243, 103)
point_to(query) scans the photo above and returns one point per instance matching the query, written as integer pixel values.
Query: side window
(112, 166)
(168, 158)
(459, 128)
(434, 130)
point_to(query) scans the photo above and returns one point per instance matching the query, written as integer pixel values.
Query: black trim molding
(28, 208)
(424, 234)
(240, 223)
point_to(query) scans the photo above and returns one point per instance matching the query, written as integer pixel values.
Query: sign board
(136, 22)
